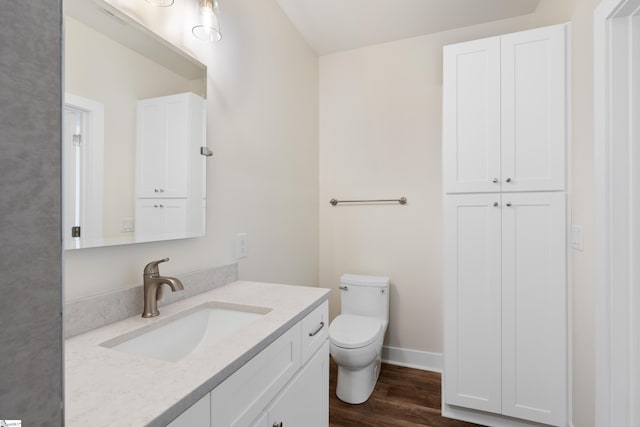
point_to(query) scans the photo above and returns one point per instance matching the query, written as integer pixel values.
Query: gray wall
(30, 241)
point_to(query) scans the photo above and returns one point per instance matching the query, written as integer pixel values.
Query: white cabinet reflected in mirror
(134, 124)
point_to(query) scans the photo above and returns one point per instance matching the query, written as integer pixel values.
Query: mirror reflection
(134, 125)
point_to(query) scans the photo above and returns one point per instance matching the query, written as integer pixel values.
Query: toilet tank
(364, 295)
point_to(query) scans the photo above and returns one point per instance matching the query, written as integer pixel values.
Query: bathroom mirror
(112, 64)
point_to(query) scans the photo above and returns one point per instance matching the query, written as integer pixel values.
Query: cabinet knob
(155, 190)
(508, 180)
(155, 206)
(277, 424)
(495, 204)
(495, 180)
(509, 204)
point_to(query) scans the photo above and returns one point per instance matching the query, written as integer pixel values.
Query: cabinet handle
(343, 288)
(314, 333)
(508, 179)
(495, 180)
(277, 424)
(508, 204)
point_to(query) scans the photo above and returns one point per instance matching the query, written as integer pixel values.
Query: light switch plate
(577, 239)
(242, 245)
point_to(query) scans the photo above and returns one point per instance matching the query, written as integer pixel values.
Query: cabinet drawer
(314, 331)
(241, 397)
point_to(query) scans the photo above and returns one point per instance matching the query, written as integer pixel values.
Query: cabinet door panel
(160, 219)
(534, 307)
(471, 116)
(534, 109)
(472, 341)
(177, 146)
(151, 156)
(304, 402)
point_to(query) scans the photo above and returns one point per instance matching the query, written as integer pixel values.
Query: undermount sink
(175, 337)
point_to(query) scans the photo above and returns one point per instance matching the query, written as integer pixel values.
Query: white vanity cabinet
(505, 222)
(281, 384)
(170, 170)
(504, 113)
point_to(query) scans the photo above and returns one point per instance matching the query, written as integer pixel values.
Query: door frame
(93, 172)
(617, 103)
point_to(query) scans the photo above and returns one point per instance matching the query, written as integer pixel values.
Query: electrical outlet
(242, 245)
(127, 225)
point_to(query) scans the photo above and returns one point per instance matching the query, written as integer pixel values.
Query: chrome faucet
(153, 282)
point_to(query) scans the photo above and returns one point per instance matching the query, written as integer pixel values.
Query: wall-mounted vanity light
(160, 3)
(208, 28)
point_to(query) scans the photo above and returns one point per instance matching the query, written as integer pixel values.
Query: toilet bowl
(356, 335)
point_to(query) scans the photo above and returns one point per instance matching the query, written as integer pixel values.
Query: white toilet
(356, 335)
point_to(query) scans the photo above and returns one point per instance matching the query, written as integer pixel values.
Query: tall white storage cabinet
(170, 171)
(504, 176)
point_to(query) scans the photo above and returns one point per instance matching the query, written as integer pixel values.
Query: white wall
(380, 136)
(262, 127)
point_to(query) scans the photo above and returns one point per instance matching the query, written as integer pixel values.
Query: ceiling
(334, 25)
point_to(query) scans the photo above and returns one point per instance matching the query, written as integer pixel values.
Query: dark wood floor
(402, 397)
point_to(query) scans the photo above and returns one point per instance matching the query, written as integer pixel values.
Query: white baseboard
(423, 360)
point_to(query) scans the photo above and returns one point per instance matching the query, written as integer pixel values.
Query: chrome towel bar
(401, 200)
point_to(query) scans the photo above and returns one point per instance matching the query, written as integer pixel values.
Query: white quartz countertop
(106, 387)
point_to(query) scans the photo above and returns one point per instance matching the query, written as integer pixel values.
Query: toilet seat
(352, 331)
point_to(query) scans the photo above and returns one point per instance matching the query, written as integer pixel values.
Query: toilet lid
(351, 331)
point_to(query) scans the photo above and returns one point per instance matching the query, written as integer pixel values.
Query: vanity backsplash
(85, 314)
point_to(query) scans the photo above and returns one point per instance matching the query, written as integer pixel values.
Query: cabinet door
(162, 149)
(534, 92)
(243, 397)
(198, 415)
(160, 218)
(472, 308)
(534, 298)
(471, 116)
(305, 400)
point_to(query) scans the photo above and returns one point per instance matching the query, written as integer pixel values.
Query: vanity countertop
(105, 386)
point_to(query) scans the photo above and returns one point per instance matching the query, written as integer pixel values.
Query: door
(83, 156)
(534, 307)
(534, 116)
(72, 176)
(471, 117)
(472, 302)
